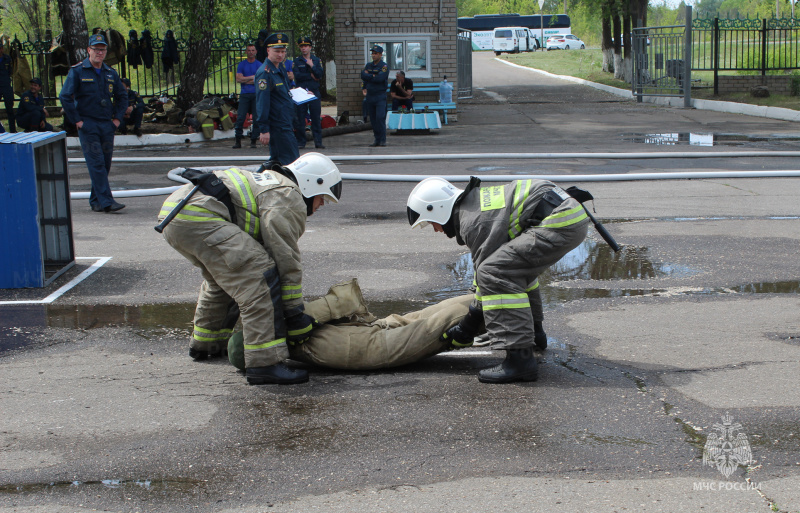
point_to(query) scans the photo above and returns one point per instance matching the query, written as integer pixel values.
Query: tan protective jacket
(269, 207)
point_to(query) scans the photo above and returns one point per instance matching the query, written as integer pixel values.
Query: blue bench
(435, 106)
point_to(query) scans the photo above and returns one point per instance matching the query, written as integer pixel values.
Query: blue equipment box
(35, 211)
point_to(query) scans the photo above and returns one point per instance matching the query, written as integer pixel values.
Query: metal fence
(664, 58)
(227, 51)
(659, 66)
(755, 46)
(464, 64)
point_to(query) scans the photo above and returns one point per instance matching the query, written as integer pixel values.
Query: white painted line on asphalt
(65, 288)
(470, 353)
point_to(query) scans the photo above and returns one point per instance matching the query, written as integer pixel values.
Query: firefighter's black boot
(238, 143)
(278, 374)
(215, 352)
(519, 365)
(539, 336)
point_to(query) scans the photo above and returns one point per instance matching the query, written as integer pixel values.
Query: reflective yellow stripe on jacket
(557, 220)
(291, 292)
(191, 213)
(521, 193)
(252, 224)
(564, 218)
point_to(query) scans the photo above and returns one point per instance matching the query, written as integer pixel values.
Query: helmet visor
(336, 190)
(413, 215)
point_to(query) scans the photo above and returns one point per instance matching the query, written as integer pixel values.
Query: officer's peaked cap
(305, 40)
(37, 81)
(126, 81)
(277, 40)
(97, 39)
(376, 48)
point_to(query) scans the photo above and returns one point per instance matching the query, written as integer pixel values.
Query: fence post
(715, 54)
(637, 62)
(687, 60)
(763, 47)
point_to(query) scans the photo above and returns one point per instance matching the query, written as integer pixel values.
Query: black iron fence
(746, 46)
(227, 51)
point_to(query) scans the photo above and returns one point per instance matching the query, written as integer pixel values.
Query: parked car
(564, 42)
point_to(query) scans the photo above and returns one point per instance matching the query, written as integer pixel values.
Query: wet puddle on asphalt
(177, 485)
(591, 261)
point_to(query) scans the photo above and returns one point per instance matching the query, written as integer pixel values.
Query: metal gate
(662, 61)
(464, 64)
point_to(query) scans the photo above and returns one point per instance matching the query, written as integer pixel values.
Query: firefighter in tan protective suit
(514, 232)
(241, 229)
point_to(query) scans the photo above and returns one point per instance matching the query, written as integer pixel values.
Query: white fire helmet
(317, 174)
(431, 201)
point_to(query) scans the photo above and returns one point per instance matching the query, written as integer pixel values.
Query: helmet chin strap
(309, 205)
(448, 228)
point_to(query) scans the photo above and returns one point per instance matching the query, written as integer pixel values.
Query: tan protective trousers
(235, 267)
(356, 341)
(512, 269)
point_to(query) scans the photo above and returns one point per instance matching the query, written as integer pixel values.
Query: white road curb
(158, 139)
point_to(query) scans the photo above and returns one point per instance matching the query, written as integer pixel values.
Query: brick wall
(416, 17)
(743, 83)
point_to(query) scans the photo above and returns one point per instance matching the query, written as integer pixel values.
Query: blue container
(35, 214)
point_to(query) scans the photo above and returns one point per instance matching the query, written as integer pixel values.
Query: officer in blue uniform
(31, 114)
(6, 89)
(135, 111)
(274, 107)
(307, 74)
(375, 76)
(94, 100)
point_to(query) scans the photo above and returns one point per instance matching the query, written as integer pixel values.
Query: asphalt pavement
(686, 341)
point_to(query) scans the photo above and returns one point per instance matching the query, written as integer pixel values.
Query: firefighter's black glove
(299, 325)
(463, 334)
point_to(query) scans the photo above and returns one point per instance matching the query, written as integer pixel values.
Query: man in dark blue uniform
(31, 114)
(307, 74)
(95, 101)
(134, 112)
(274, 107)
(375, 76)
(6, 89)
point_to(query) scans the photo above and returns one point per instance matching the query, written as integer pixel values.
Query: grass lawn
(588, 64)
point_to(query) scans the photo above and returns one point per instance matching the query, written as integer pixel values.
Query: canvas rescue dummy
(351, 338)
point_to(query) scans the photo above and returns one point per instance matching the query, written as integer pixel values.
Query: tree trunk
(323, 46)
(617, 28)
(75, 37)
(627, 58)
(198, 55)
(195, 70)
(606, 45)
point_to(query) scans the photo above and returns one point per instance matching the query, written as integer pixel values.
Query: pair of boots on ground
(520, 363)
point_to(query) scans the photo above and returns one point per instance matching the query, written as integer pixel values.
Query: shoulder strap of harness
(211, 185)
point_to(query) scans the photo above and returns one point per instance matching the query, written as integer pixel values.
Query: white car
(564, 42)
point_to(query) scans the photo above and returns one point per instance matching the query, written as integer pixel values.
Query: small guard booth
(35, 214)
